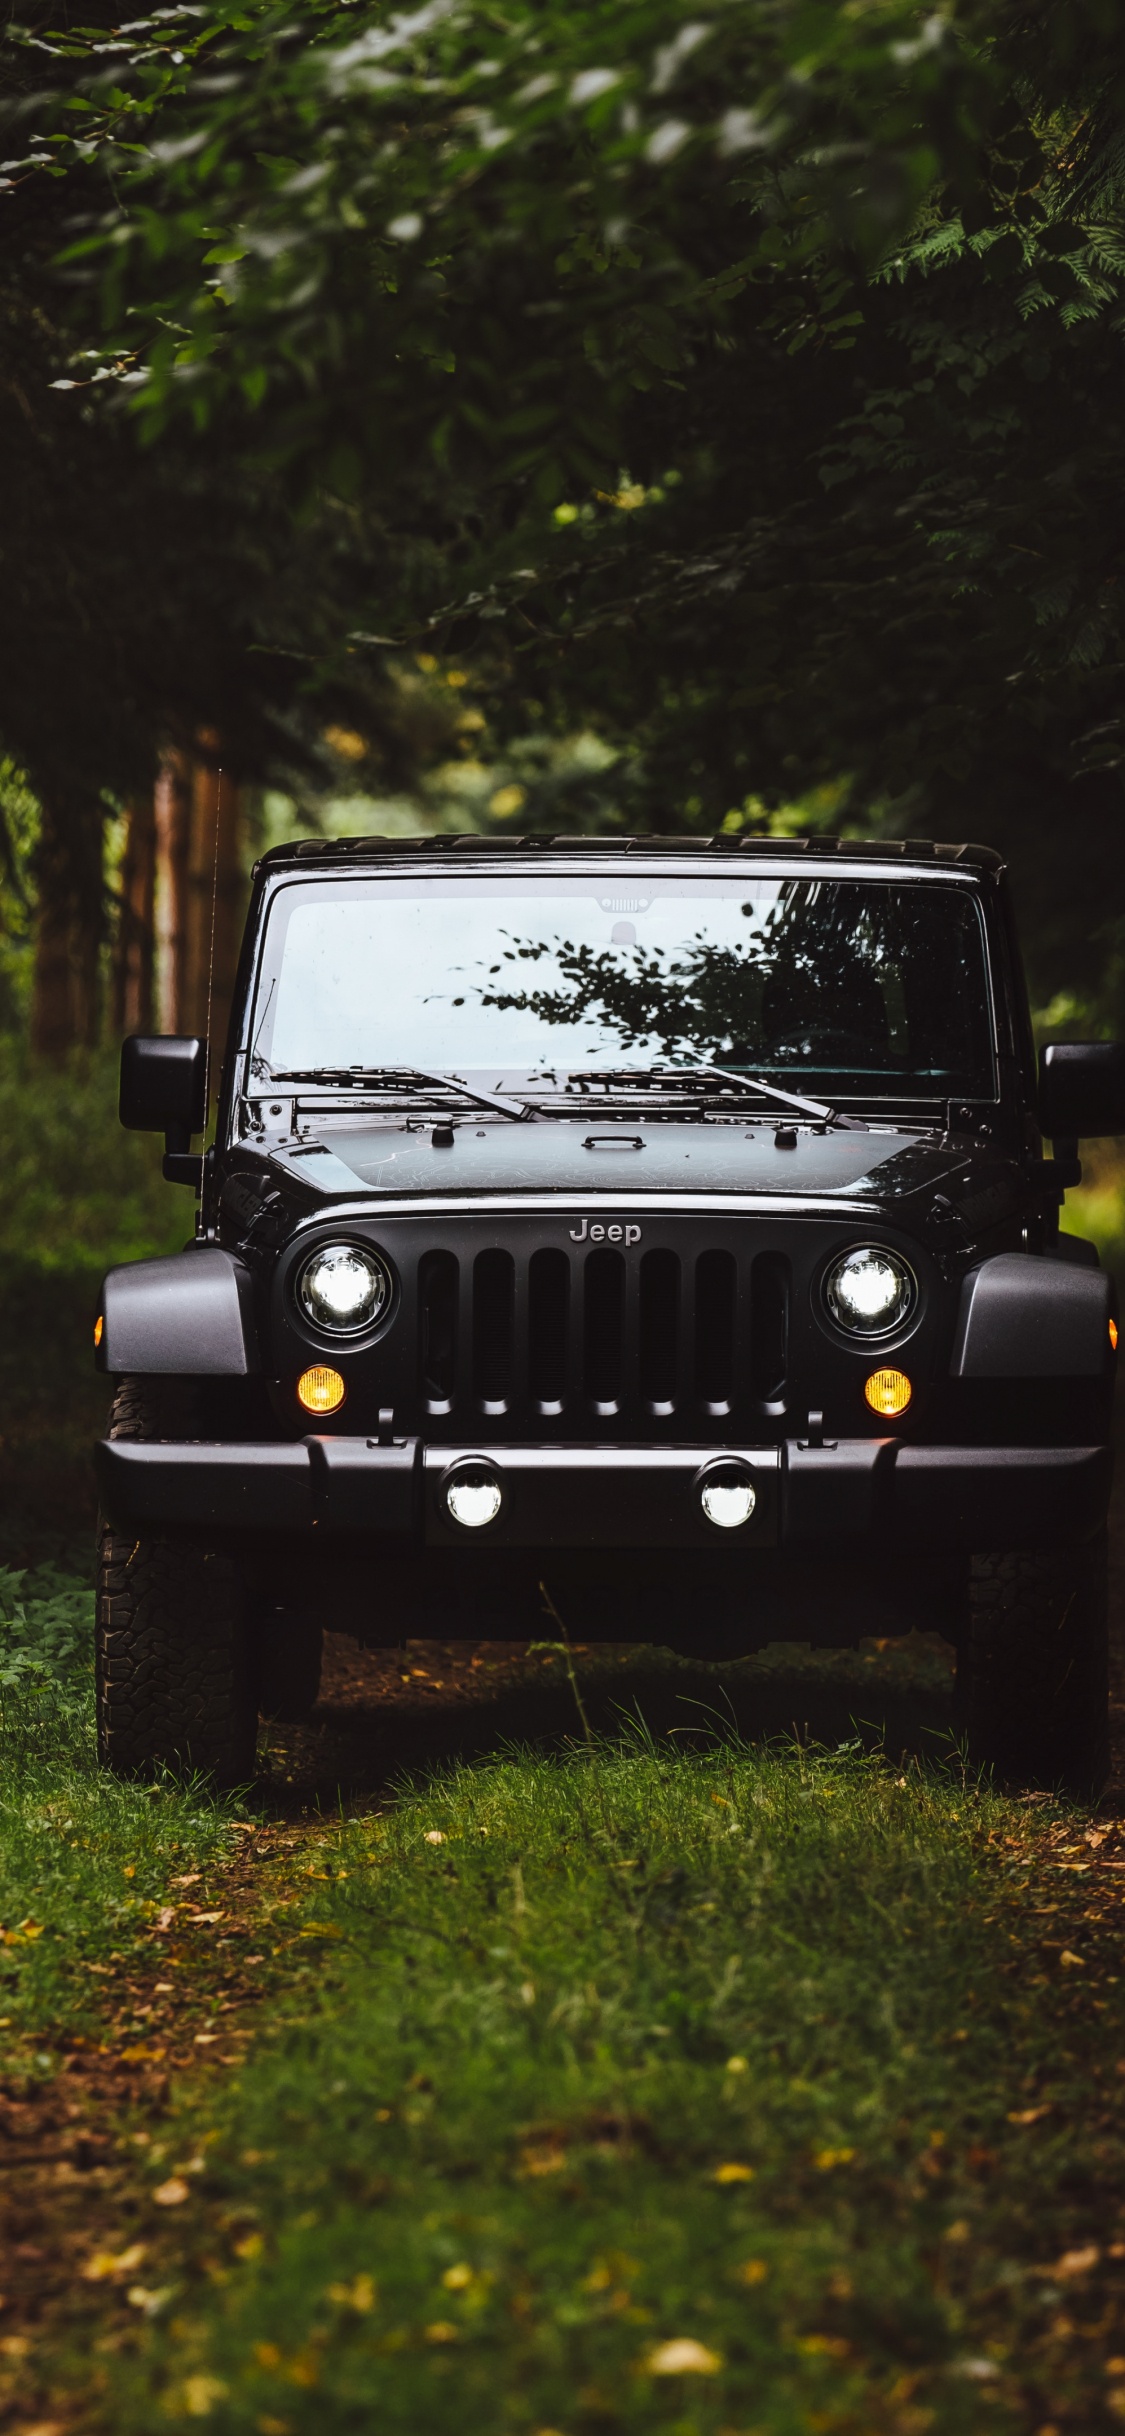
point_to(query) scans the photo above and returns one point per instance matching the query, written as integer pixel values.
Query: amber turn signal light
(1113, 1336)
(321, 1390)
(99, 1329)
(888, 1393)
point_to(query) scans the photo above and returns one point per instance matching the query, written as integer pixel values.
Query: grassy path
(722, 2092)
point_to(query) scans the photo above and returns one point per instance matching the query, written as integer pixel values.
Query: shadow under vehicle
(664, 1222)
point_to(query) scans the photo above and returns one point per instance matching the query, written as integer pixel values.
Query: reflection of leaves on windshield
(830, 974)
(651, 997)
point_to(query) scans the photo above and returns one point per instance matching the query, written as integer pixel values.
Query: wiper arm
(521, 1110)
(736, 1082)
(769, 1091)
(350, 1078)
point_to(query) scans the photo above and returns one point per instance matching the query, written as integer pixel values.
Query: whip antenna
(210, 978)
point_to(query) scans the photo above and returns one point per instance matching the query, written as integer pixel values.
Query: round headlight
(343, 1287)
(870, 1291)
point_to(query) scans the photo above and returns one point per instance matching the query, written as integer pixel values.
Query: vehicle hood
(616, 1162)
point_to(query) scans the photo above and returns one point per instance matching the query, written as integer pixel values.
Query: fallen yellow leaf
(734, 2173)
(106, 2263)
(1077, 2262)
(753, 2271)
(826, 2158)
(458, 2278)
(542, 2160)
(201, 2393)
(150, 2299)
(304, 2369)
(441, 2332)
(682, 2357)
(171, 2194)
(1029, 2114)
(358, 2295)
(1072, 1962)
(434, 1835)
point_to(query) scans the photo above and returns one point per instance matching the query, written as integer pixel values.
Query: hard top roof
(341, 851)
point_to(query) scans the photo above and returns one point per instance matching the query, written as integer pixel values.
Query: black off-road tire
(173, 1654)
(1033, 1668)
(290, 1650)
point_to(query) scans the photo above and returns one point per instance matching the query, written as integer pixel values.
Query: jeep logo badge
(604, 1234)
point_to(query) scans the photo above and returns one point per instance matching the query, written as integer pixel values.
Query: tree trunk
(214, 895)
(173, 826)
(135, 956)
(70, 927)
(200, 894)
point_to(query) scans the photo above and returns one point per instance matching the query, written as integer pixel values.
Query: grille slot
(658, 1346)
(769, 1327)
(437, 1329)
(715, 1283)
(548, 1318)
(494, 1296)
(604, 1330)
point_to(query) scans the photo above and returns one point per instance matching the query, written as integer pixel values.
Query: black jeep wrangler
(663, 1223)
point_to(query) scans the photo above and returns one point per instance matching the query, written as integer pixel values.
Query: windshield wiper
(352, 1078)
(738, 1082)
(784, 1099)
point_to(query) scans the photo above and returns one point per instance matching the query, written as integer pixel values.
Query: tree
(853, 280)
(146, 597)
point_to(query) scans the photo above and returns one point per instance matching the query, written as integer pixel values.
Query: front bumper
(859, 1492)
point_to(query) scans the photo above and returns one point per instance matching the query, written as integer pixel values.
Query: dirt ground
(384, 1713)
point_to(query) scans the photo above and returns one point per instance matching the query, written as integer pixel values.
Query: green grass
(79, 1192)
(79, 1195)
(84, 1859)
(1097, 1210)
(580, 2059)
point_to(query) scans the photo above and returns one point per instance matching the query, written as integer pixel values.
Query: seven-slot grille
(597, 1339)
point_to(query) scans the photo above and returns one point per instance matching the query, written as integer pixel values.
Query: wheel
(289, 1650)
(172, 1655)
(1033, 1667)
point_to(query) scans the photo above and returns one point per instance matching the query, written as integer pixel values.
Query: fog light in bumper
(727, 1496)
(321, 1390)
(888, 1392)
(473, 1495)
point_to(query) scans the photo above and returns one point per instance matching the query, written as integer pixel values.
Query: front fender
(1024, 1315)
(189, 1314)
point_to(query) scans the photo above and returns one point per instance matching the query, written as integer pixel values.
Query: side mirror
(164, 1090)
(1082, 1088)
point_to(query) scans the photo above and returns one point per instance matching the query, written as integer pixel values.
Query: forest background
(585, 416)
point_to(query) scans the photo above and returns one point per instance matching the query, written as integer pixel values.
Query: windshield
(861, 987)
